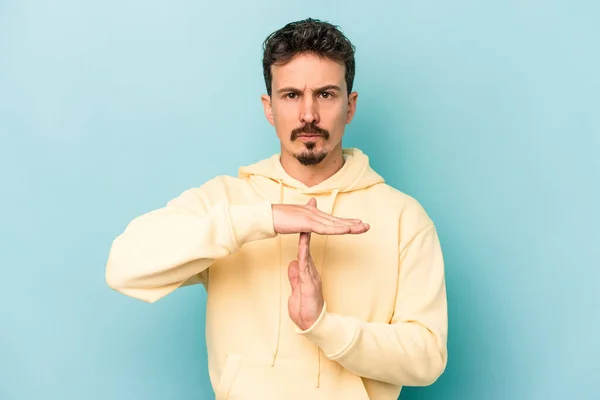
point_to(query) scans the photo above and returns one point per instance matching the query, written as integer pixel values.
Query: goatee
(310, 156)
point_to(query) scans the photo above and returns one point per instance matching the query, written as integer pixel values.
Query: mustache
(309, 128)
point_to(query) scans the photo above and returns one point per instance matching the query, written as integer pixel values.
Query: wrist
(334, 334)
(310, 324)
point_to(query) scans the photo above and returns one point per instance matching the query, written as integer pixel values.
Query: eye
(290, 95)
(326, 95)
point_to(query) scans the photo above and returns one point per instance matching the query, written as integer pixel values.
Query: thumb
(312, 202)
(293, 273)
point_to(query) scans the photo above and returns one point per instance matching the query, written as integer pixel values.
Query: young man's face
(309, 106)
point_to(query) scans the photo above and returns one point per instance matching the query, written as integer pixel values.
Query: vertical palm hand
(306, 301)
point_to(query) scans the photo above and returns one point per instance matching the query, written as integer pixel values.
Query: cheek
(336, 116)
(284, 120)
(283, 114)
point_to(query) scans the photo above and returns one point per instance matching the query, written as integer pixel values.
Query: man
(323, 282)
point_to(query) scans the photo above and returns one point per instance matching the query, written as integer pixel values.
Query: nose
(309, 112)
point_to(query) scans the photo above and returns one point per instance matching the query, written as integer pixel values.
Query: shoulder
(216, 188)
(219, 189)
(408, 214)
(406, 207)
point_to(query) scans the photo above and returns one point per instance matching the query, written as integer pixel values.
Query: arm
(409, 351)
(173, 246)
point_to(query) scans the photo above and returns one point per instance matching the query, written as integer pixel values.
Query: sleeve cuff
(251, 222)
(333, 333)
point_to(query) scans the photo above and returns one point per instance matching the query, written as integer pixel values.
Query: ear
(266, 100)
(352, 99)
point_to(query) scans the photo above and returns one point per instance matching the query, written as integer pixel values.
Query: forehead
(310, 71)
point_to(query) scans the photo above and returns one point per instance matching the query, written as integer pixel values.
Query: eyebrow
(321, 89)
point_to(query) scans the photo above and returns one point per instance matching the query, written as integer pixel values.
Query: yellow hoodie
(384, 324)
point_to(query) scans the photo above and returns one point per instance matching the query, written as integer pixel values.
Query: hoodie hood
(355, 174)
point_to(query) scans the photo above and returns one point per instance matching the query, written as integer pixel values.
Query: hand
(289, 218)
(306, 301)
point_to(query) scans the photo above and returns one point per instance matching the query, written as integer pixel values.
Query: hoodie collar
(355, 174)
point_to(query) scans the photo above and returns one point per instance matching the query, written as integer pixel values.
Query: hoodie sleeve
(411, 349)
(173, 246)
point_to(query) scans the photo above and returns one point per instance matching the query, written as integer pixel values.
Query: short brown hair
(308, 36)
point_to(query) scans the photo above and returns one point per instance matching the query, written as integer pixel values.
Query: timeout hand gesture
(306, 301)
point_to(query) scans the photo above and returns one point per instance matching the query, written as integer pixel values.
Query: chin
(313, 156)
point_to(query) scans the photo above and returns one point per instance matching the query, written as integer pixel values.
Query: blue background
(486, 112)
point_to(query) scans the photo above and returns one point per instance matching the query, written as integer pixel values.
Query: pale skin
(309, 90)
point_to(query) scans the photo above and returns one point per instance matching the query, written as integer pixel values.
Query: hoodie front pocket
(228, 376)
(255, 378)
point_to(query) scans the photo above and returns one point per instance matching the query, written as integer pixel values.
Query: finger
(293, 274)
(313, 269)
(304, 240)
(350, 221)
(338, 229)
(329, 217)
(307, 268)
(328, 221)
(313, 202)
(304, 248)
(360, 228)
(330, 229)
(303, 244)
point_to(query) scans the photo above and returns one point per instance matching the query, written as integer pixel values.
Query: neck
(312, 175)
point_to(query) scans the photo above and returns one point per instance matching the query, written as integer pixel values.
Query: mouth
(309, 135)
